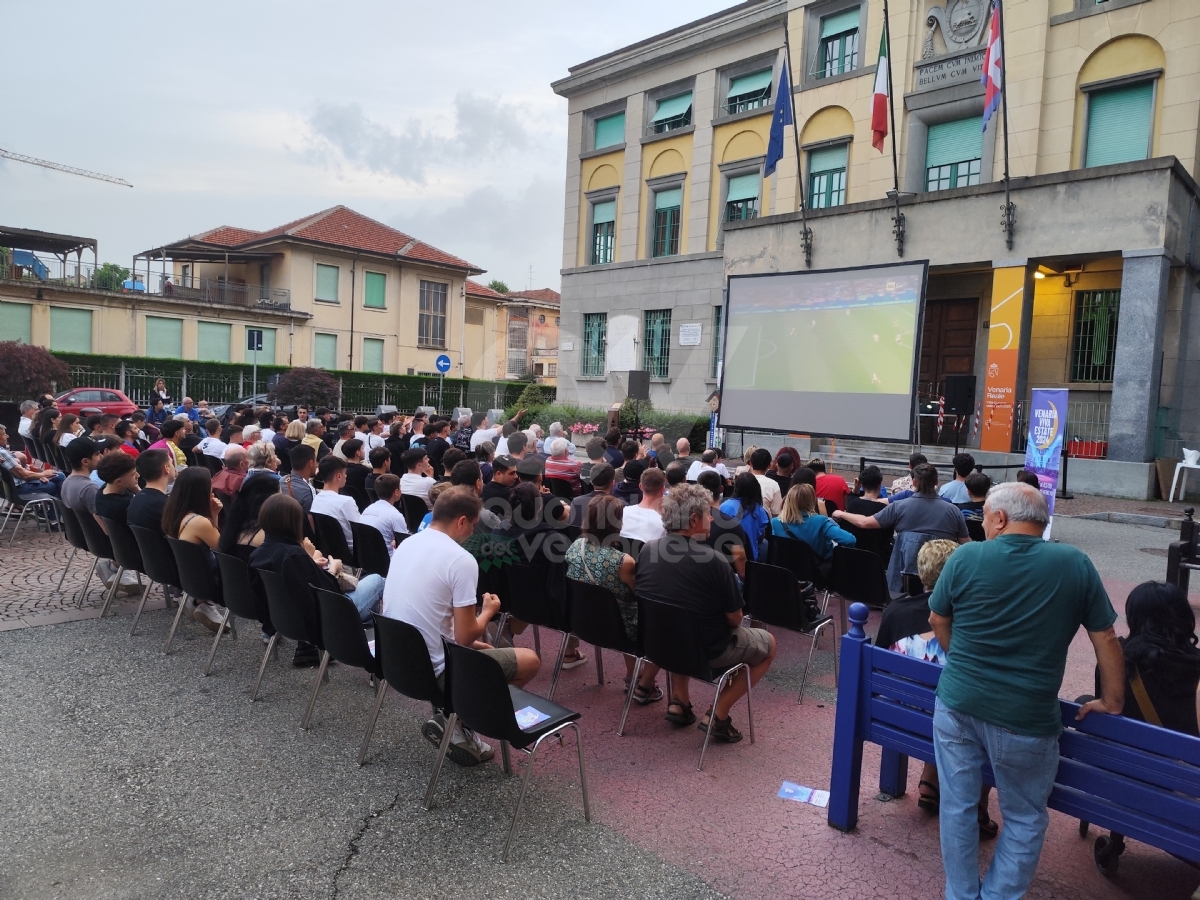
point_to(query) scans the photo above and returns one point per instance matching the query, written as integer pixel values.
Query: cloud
(483, 128)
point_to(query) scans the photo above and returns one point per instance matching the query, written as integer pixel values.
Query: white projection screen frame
(833, 352)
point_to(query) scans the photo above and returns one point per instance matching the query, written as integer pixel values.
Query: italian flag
(879, 101)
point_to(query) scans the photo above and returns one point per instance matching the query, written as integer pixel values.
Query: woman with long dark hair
(47, 424)
(746, 505)
(191, 515)
(68, 429)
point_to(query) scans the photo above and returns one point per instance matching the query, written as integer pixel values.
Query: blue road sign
(443, 364)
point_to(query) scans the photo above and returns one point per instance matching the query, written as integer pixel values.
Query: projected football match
(826, 352)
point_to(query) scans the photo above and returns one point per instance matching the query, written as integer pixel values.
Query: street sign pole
(254, 377)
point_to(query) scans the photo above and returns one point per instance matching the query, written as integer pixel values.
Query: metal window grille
(716, 356)
(551, 370)
(595, 340)
(838, 53)
(827, 189)
(518, 341)
(738, 210)
(431, 320)
(603, 242)
(750, 100)
(959, 174)
(656, 343)
(1094, 338)
(683, 120)
(666, 232)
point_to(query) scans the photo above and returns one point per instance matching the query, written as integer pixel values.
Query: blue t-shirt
(955, 491)
(754, 522)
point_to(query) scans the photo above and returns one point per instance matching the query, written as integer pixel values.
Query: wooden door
(948, 340)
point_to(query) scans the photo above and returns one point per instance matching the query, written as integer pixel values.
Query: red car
(105, 400)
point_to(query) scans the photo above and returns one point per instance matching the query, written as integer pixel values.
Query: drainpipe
(462, 337)
(291, 337)
(353, 303)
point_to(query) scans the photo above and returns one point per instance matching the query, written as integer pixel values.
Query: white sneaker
(206, 614)
(467, 749)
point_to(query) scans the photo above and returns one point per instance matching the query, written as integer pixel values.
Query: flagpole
(898, 218)
(805, 232)
(1009, 212)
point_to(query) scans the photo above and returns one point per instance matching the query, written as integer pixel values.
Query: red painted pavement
(727, 825)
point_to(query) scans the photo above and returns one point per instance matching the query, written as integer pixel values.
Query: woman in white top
(69, 428)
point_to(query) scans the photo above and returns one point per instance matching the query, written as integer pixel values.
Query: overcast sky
(436, 118)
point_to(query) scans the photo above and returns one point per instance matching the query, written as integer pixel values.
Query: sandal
(721, 729)
(680, 719)
(988, 829)
(575, 662)
(929, 802)
(643, 695)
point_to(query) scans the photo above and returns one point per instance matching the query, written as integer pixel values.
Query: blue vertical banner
(1044, 445)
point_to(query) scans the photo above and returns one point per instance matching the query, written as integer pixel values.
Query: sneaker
(307, 656)
(266, 639)
(435, 729)
(206, 614)
(467, 749)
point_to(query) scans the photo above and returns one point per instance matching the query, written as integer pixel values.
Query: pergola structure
(60, 245)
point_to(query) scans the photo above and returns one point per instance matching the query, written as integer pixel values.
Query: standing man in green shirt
(1005, 611)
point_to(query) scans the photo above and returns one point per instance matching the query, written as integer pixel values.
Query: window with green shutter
(595, 342)
(1119, 121)
(953, 153)
(748, 92)
(327, 283)
(16, 323)
(741, 201)
(610, 131)
(374, 285)
(827, 176)
(325, 351)
(71, 330)
(604, 232)
(372, 355)
(656, 343)
(667, 222)
(838, 50)
(672, 113)
(212, 341)
(164, 337)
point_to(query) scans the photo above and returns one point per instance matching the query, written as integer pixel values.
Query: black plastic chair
(74, 535)
(414, 510)
(38, 504)
(200, 582)
(289, 619)
(798, 558)
(594, 616)
(128, 557)
(331, 540)
(525, 598)
(160, 565)
(485, 703)
(875, 540)
(403, 663)
(371, 549)
(560, 487)
(774, 597)
(670, 639)
(100, 547)
(975, 530)
(344, 639)
(239, 596)
(858, 576)
(211, 463)
(358, 494)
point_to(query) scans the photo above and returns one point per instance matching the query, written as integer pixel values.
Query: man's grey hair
(260, 454)
(1020, 502)
(187, 400)
(312, 425)
(27, 405)
(4, 429)
(682, 503)
(560, 447)
(464, 421)
(556, 429)
(344, 428)
(181, 417)
(234, 457)
(683, 447)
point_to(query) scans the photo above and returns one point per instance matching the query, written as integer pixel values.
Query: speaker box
(960, 394)
(639, 386)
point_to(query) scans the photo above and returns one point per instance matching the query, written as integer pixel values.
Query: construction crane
(57, 167)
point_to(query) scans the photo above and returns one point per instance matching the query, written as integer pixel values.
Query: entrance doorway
(947, 341)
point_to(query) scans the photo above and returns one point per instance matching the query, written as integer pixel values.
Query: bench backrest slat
(1134, 734)
(901, 716)
(1166, 806)
(918, 670)
(1168, 774)
(902, 691)
(1103, 813)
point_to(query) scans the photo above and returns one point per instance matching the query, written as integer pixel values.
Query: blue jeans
(1024, 767)
(366, 596)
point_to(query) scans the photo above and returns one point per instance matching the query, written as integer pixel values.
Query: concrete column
(700, 187)
(631, 180)
(1138, 366)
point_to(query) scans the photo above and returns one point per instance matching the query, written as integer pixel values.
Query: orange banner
(1003, 359)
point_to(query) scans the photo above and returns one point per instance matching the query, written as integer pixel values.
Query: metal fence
(1086, 432)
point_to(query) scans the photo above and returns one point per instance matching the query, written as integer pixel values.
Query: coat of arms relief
(961, 23)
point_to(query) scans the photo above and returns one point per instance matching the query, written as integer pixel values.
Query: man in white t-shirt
(29, 410)
(372, 435)
(213, 445)
(485, 431)
(328, 502)
(431, 585)
(760, 461)
(382, 515)
(644, 521)
(418, 474)
(707, 460)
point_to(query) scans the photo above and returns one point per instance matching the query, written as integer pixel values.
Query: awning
(749, 84)
(673, 107)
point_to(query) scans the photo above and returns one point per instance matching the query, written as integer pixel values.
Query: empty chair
(74, 535)
(100, 547)
(160, 568)
(525, 598)
(371, 549)
(414, 510)
(331, 540)
(798, 558)
(343, 636)
(560, 487)
(479, 695)
(293, 617)
(859, 576)
(876, 540)
(671, 640)
(39, 504)
(594, 616)
(774, 597)
(200, 583)
(128, 557)
(405, 666)
(239, 596)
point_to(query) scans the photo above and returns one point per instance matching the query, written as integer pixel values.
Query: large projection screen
(833, 352)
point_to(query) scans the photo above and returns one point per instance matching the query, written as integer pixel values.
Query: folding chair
(798, 558)
(331, 540)
(485, 703)
(525, 598)
(100, 547)
(774, 597)
(371, 549)
(239, 595)
(129, 558)
(560, 487)
(288, 616)
(358, 494)
(74, 535)
(200, 583)
(344, 639)
(39, 505)
(161, 568)
(414, 510)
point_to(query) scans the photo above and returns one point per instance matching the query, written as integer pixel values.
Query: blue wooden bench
(1136, 779)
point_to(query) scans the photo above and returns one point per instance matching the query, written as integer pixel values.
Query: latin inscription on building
(947, 71)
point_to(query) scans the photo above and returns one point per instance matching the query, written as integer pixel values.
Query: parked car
(89, 400)
(225, 411)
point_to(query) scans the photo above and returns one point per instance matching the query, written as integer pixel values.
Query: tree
(498, 286)
(27, 371)
(109, 277)
(305, 386)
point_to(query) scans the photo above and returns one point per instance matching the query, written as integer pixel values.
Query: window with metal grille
(518, 341)
(1094, 338)
(656, 343)
(604, 230)
(716, 357)
(741, 201)
(667, 205)
(595, 340)
(748, 92)
(431, 321)
(838, 50)
(551, 370)
(672, 113)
